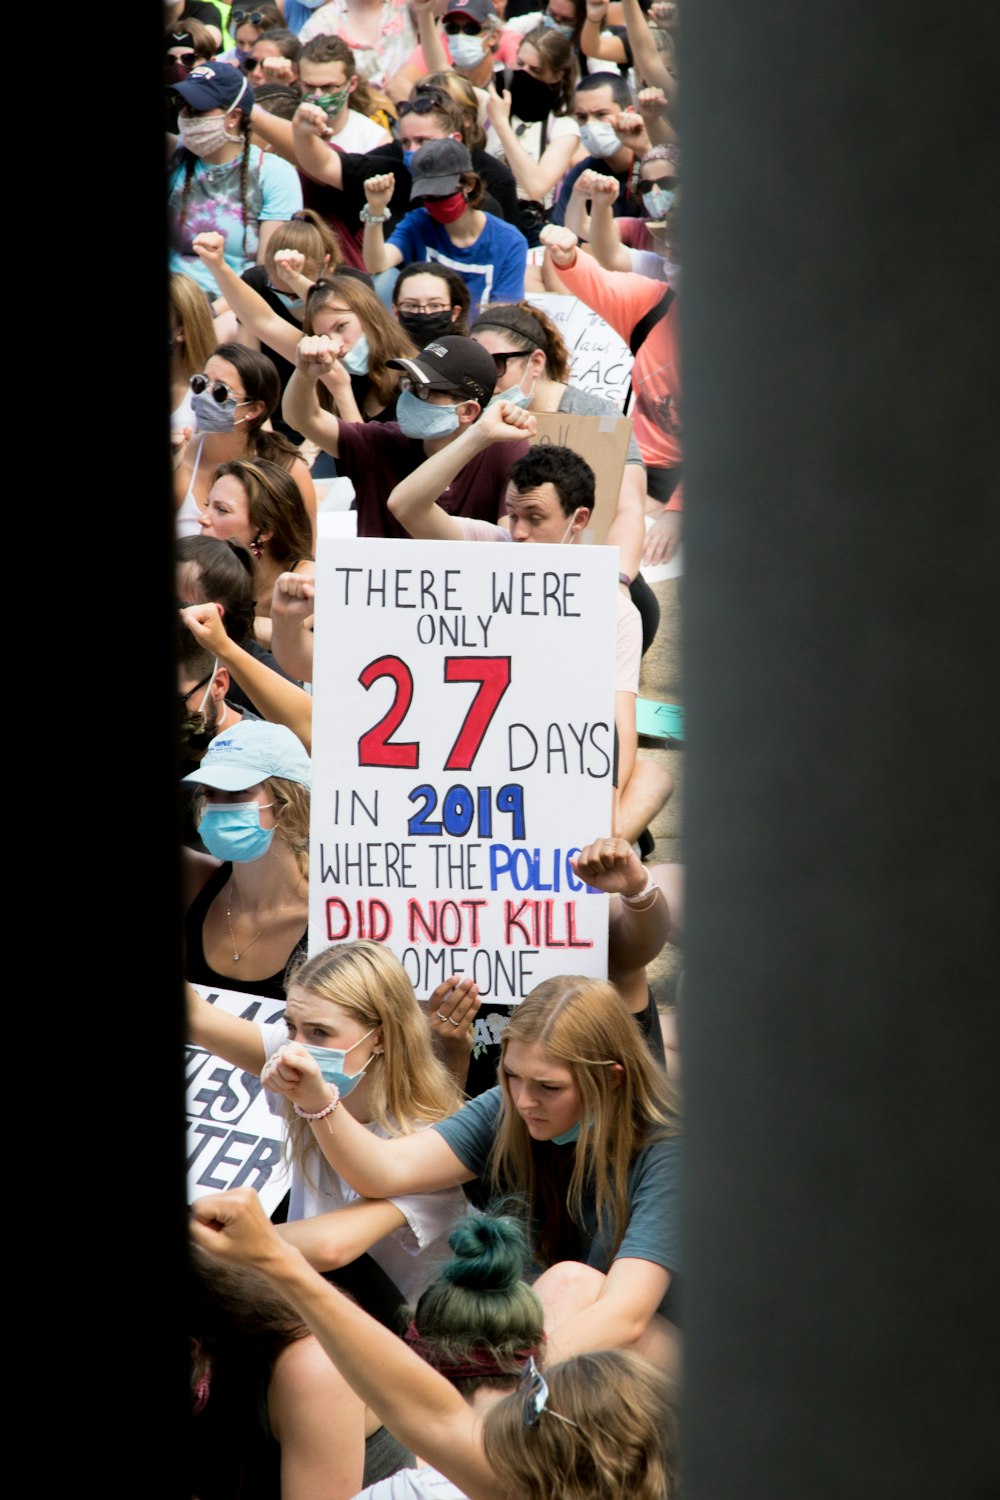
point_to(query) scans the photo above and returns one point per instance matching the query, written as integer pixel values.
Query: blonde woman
(352, 1014)
(582, 1130)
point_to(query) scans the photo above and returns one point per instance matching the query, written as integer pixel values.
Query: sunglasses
(217, 389)
(423, 105)
(666, 183)
(253, 16)
(460, 28)
(186, 59)
(533, 1389)
(500, 360)
(423, 392)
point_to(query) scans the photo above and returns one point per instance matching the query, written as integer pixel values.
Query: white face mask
(466, 51)
(599, 139)
(205, 137)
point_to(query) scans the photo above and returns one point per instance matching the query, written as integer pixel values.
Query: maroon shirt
(375, 456)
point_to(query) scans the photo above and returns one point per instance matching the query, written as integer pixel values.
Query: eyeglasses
(423, 307)
(460, 28)
(424, 392)
(666, 183)
(500, 360)
(192, 690)
(253, 16)
(533, 1389)
(251, 63)
(186, 59)
(217, 389)
(422, 105)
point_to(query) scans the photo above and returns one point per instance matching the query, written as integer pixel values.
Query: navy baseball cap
(215, 85)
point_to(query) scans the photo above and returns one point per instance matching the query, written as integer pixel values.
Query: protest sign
(600, 359)
(463, 735)
(233, 1140)
(603, 442)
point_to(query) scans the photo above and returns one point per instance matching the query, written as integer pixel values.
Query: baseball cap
(452, 363)
(250, 752)
(479, 10)
(436, 168)
(215, 85)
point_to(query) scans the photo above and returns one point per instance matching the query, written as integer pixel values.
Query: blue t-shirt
(653, 1231)
(492, 268)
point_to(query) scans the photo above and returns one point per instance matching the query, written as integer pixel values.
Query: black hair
(225, 577)
(570, 476)
(458, 291)
(620, 91)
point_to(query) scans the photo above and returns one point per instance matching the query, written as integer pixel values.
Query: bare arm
(378, 256)
(536, 177)
(429, 35)
(280, 701)
(329, 1241)
(300, 405)
(230, 1037)
(422, 1408)
(627, 531)
(605, 241)
(646, 56)
(319, 1423)
(593, 42)
(310, 132)
(633, 1290)
(374, 1167)
(414, 500)
(292, 610)
(248, 305)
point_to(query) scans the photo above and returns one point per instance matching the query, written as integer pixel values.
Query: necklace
(229, 919)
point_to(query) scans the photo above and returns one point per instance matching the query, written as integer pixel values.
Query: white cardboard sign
(600, 359)
(233, 1140)
(463, 730)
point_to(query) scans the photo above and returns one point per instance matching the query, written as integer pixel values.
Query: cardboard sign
(603, 442)
(463, 735)
(233, 1140)
(600, 359)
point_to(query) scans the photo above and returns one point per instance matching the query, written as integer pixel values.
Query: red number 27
(492, 673)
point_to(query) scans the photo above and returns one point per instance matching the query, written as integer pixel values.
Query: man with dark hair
(549, 499)
(598, 104)
(443, 392)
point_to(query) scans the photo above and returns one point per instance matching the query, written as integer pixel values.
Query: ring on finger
(453, 1021)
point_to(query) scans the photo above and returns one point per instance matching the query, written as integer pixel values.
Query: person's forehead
(221, 369)
(539, 497)
(227, 487)
(652, 171)
(596, 98)
(332, 310)
(532, 1059)
(423, 286)
(529, 56)
(495, 342)
(304, 1004)
(264, 48)
(421, 128)
(313, 74)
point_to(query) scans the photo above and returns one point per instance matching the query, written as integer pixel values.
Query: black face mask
(531, 100)
(424, 328)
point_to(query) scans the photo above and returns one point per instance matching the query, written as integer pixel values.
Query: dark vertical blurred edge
(839, 317)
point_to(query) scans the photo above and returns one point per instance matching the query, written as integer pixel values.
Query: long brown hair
(386, 338)
(624, 1094)
(262, 383)
(529, 328)
(275, 505)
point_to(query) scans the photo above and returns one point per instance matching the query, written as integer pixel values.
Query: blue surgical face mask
(420, 419)
(658, 203)
(231, 831)
(408, 156)
(331, 1064)
(551, 24)
(466, 51)
(572, 1134)
(356, 358)
(515, 395)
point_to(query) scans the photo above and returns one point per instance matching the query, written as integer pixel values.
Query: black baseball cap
(452, 363)
(436, 168)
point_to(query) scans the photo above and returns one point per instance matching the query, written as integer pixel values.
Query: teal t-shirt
(653, 1231)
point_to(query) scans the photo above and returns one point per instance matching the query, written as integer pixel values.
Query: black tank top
(197, 968)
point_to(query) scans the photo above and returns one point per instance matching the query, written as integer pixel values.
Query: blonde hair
(407, 1085)
(311, 236)
(624, 1443)
(624, 1094)
(191, 314)
(291, 814)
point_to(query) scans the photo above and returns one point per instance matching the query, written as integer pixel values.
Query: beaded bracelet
(319, 1114)
(367, 217)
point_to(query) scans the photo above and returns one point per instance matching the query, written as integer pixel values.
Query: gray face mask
(216, 416)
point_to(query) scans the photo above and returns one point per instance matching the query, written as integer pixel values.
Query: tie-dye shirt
(214, 203)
